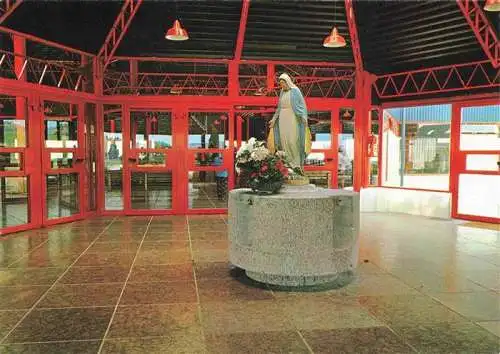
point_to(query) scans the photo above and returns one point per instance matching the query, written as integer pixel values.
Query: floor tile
(234, 290)
(461, 337)
(155, 320)
(62, 324)
(376, 284)
(64, 295)
(487, 279)
(30, 276)
(208, 235)
(327, 313)
(125, 247)
(8, 320)
(163, 273)
(76, 347)
(159, 256)
(356, 341)
(159, 293)
(244, 316)
(166, 236)
(80, 275)
(408, 310)
(202, 245)
(117, 259)
(429, 282)
(177, 342)
(479, 306)
(492, 326)
(256, 342)
(217, 270)
(20, 297)
(43, 260)
(211, 256)
(176, 245)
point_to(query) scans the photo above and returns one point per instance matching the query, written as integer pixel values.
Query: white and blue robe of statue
(290, 132)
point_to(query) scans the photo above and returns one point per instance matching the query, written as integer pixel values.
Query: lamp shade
(334, 40)
(492, 5)
(177, 33)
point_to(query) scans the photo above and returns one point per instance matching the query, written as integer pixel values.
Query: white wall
(390, 200)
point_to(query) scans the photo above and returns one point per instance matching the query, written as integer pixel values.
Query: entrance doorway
(476, 166)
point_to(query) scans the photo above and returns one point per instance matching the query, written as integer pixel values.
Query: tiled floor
(163, 285)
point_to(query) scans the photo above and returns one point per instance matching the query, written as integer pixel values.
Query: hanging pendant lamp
(492, 5)
(334, 40)
(177, 33)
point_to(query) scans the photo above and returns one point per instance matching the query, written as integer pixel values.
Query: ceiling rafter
(242, 29)
(482, 29)
(7, 7)
(353, 34)
(115, 35)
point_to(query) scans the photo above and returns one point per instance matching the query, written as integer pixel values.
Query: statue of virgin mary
(289, 130)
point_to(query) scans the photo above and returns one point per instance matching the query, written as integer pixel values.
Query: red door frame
(458, 160)
(79, 159)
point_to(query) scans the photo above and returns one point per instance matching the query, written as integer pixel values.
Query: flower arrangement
(263, 170)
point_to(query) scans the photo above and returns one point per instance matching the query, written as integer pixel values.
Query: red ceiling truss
(118, 30)
(441, 79)
(353, 34)
(7, 7)
(327, 81)
(482, 28)
(242, 29)
(44, 72)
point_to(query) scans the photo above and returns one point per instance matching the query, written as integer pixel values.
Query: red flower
(253, 174)
(264, 168)
(279, 165)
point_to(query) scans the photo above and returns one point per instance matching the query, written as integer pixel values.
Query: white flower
(260, 153)
(280, 154)
(252, 142)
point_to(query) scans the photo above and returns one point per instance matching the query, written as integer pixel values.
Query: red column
(364, 82)
(233, 82)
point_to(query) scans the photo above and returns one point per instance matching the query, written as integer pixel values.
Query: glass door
(210, 160)
(476, 165)
(63, 161)
(151, 161)
(15, 164)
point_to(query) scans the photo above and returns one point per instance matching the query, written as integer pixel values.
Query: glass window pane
(151, 190)
(62, 195)
(417, 147)
(320, 124)
(208, 189)
(12, 133)
(208, 130)
(13, 201)
(10, 161)
(479, 195)
(480, 128)
(61, 125)
(61, 160)
(373, 147)
(151, 159)
(346, 148)
(208, 159)
(113, 157)
(151, 130)
(482, 162)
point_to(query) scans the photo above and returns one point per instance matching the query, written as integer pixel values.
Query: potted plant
(264, 171)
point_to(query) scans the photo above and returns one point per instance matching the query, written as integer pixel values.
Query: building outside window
(416, 147)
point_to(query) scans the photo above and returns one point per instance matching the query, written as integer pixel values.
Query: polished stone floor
(162, 285)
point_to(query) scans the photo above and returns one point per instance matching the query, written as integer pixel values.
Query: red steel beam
(353, 34)
(7, 7)
(439, 79)
(44, 41)
(241, 32)
(118, 30)
(482, 29)
(243, 61)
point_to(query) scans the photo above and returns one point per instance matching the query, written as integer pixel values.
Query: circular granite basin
(303, 236)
